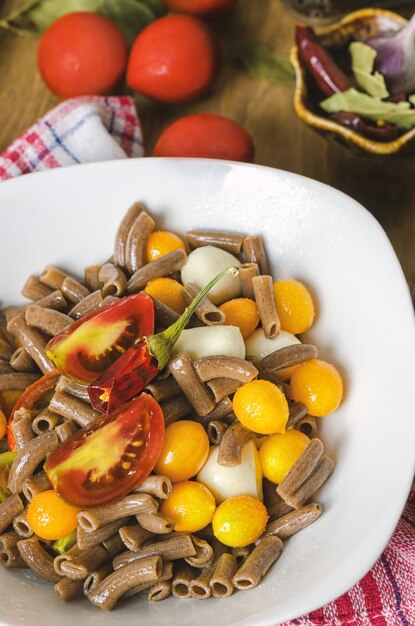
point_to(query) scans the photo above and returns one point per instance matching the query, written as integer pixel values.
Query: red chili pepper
(108, 459)
(134, 369)
(90, 345)
(31, 396)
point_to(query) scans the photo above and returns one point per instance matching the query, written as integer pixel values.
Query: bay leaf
(45, 12)
(263, 63)
(363, 62)
(131, 16)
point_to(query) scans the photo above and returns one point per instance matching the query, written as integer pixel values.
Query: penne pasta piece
(215, 431)
(164, 315)
(114, 282)
(160, 591)
(254, 251)
(182, 577)
(5, 368)
(308, 489)
(181, 367)
(86, 540)
(9, 554)
(66, 430)
(133, 504)
(162, 390)
(121, 237)
(49, 321)
(52, 277)
(21, 525)
(135, 255)
(211, 367)
(222, 387)
(90, 303)
(166, 575)
(226, 241)
(73, 388)
(44, 421)
(17, 381)
(86, 561)
(163, 266)
(294, 521)
(175, 409)
(73, 290)
(289, 356)
(155, 523)
(70, 407)
(241, 554)
(34, 485)
(21, 361)
(29, 457)
(54, 300)
(221, 582)
(22, 430)
(298, 410)
(6, 350)
(257, 564)
(232, 442)
(109, 591)
(95, 577)
(63, 558)
(13, 311)
(264, 298)
(32, 341)
(247, 272)
(200, 586)
(157, 486)
(9, 508)
(114, 544)
(308, 426)
(33, 289)
(278, 509)
(67, 589)
(91, 277)
(176, 547)
(36, 557)
(204, 553)
(206, 311)
(221, 410)
(303, 467)
(134, 537)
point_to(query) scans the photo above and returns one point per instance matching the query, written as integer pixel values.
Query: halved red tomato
(111, 457)
(90, 345)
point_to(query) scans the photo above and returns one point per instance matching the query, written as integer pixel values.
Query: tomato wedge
(90, 345)
(30, 397)
(108, 459)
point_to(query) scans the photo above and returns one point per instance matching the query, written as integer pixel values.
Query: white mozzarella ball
(226, 481)
(259, 346)
(211, 341)
(205, 263)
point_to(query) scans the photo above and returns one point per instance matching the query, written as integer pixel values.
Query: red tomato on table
(174, 59)
(201, 8)
(205, 135)
(82, 54)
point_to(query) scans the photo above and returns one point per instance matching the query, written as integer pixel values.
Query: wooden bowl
(365, 23)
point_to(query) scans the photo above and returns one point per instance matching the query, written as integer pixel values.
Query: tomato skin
(82, 54)
(201, 8)
(103, 462)
(206, 135)
(174, 59)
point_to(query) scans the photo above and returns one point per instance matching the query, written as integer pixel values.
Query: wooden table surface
(384, 185)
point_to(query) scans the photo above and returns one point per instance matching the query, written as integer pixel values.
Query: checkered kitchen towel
(98, 129)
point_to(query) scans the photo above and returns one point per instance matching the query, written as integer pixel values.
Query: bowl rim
(322, 123)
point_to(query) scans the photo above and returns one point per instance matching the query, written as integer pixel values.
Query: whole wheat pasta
(9, 554)
(49, 321)
(18, 381)
(89, 539)
(175, 409)
(307, 490)
(32, 341)
(200, 586)
(21, 361)
(163, 266)
(70, 407)
(183, 575)
(52, 277)
(222, 387)
(247, 272)
(36, 557)
(29, 457)
(6, 350)
(66, 429)
(67, 589)
(34, 485)
(164, 389)
(33, 289)
(204, 553)
(91, 277)
(232, 442)
(308, 426)
(220, 239)
(13, 311)
(109, 591)
(134, 537)
(303, 467)
(181, 367)
(155, 523)
(222, 409)
(133, 504)
(22, 430)
(160, 591)
(211, 367)
(166, 574)
(5, 368)
(21, 525)
(73, 290)
(136, 242)
(58, 561)
(54, 300)
(298, 410)
(85, 562)
(278, 509)
(206, 311)
(9, 508)
(164, 315)
(90, 303)
(254, 568)
(254, 251)
(95, 577)
(270, 492)
(113, 279)
(121, 237)
(73, 388)
(221, 582)
(176, 547)
(157, 486)
(264, 298)
(114, 544)
(215, 431)
(291, 523)
(289, 356)
(241, 554)
(44, 421)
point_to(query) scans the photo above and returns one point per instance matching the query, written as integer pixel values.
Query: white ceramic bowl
(365, 325)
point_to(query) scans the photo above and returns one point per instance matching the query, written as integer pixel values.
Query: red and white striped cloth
(98, 129)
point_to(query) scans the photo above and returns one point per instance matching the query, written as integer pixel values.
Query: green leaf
(131, 16)
(412, 99)
(157, 6)
(363, 61)
(353, 101)
(263, 63)
(6, 461)
(45, 12)
(61, 546)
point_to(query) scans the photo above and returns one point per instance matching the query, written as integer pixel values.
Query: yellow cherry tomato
(239, 521)
(168, 291)
(3, 424)
(241, 312)
(279, 452)
(262, 407)
(50, 517)
(185, 450)
(295, 306)
(161, 242)
(191, 506)
(318, 385)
